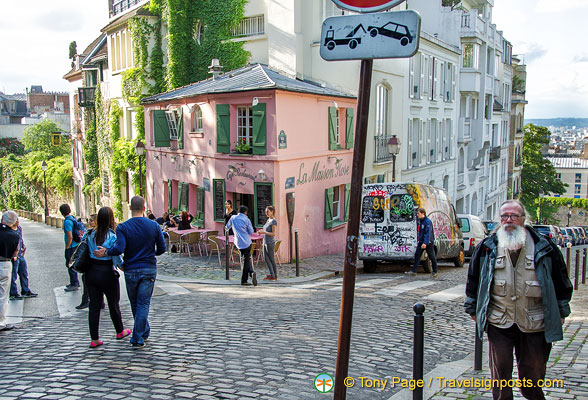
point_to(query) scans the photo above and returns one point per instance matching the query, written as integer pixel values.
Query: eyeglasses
(512, 217)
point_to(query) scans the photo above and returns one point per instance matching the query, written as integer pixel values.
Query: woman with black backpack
(102, 277)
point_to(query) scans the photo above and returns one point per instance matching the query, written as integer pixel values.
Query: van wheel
(369, 266)
(458, 261)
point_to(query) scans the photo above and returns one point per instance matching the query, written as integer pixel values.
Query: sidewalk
(568, 361)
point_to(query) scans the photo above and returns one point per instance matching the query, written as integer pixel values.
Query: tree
(73, 51)
(538, 177)
(39, 138)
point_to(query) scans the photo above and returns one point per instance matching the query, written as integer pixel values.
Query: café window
(183, 196)
(340, 128)
(198, 220)
(251, 129)
(336, 205)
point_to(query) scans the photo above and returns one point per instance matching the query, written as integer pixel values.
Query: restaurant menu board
(263, 198)
(219, 199)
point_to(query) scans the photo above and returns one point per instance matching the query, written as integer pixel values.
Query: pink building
(299, 138)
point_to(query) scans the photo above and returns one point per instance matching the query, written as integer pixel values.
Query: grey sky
(550, 34)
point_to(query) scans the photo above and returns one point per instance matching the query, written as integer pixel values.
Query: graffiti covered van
(388, 226)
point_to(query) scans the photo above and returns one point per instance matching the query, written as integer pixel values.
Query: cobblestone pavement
(219, 341)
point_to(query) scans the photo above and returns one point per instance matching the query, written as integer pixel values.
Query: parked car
(569, 236)
(547, 230)
(473, 230)
(581, 236)
(559, 236)
(490, 225)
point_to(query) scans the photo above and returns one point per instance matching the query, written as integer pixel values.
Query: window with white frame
(423, 142)
(382, 110)
(336, 202)
(197, 119)
(410, 159)
(577, 189)
(244, 125)
(337, 127)
(121, 50)
(433, 141)
(172, 117)
(470, 55)
(578, 178)
(249, 26)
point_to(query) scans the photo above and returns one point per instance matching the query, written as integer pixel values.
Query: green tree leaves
(39, 138)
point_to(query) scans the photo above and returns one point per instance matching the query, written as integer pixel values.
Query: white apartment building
(572, 171)
(517, 121)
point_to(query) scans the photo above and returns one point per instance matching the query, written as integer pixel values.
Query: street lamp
(569, 212)
(44, 168)
(140, 151)
(394, 149)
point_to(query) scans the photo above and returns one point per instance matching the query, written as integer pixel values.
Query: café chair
(174, 238)
(191, 240)
(215, 246)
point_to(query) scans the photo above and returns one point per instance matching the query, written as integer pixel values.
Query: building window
(382, 111)
(336, 205)
(197, 119)
(244, 125)
(105, 183)
(558, 176)
(172, 122)
(121, 50)
(470, 56)
(249, 26)
(577, 189)
(578, 178)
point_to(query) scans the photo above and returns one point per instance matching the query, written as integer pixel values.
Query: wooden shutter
(329, 208)
(160, 129)
(180, 127)
(349, 133)
(347, 197)
(332, 128)
(223, 132)
(259, 142)
(199, 217)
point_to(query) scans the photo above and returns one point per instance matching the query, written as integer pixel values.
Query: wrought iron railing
(494, 153)
(120, 6)
(382, 152)
(86, 96)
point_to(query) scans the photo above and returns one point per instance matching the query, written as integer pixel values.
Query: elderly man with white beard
(518, 292)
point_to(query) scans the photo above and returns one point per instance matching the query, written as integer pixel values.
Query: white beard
(512, 240)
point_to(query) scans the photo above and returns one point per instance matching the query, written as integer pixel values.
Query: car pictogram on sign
(392, 30)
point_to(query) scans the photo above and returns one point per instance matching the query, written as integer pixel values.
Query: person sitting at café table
(186, 219)
(163, 219)
(173, 222)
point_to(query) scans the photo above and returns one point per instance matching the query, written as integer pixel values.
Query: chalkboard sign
(263, 197)
(219, 199)
(369, 213)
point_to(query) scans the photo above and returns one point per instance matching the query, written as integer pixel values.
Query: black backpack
(78, 229)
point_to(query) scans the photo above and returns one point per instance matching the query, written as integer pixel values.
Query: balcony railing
(250, 26)
(494, 153)
(120, 6)
(382, 152)
(86, 96)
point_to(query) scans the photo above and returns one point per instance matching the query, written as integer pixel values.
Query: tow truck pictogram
(352, 40)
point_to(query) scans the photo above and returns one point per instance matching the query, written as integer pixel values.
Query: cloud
(61, 21)
(532, 51)
(549, 6)
(581, 58)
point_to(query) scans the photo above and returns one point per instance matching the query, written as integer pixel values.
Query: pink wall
(304, 120)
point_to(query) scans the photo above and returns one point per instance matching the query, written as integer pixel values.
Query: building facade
(517, 122)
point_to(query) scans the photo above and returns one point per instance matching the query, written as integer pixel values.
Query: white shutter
(453, 81)
(422, 81)
(410, 149)
(411, 77)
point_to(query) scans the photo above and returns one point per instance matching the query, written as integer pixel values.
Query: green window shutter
(160, 129)
(259, 142)
(169, 195)
(349, 132)
(199, 217)
(328, 208)
(223, 132)
(332, 128)
(219, 199)
(180, 130)
(347, 196)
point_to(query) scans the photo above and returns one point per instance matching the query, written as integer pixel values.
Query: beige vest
(515, 296)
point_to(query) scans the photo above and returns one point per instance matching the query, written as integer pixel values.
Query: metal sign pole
(365, 82)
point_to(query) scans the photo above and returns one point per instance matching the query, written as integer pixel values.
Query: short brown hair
(422, 211)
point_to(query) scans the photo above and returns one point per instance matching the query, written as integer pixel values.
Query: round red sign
(365, 6)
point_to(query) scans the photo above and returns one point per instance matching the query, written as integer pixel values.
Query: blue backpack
(78, 229)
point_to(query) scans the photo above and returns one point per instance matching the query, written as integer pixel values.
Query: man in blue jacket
(518, 292)
(425, 242)
(140, 239)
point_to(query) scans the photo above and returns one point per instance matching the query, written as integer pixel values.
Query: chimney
(215, 68)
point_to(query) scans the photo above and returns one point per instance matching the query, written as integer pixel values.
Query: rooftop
(573, 162)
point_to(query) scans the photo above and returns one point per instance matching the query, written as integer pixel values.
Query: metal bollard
(568, 258)
(418, 350)
(227, 255)
(478, 351)
(577, 269)
(296, 246)
(584, 268)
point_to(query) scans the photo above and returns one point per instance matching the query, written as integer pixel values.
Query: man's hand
(423, 246)
(100, 252)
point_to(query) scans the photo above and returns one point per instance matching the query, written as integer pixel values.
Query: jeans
(5, 271)
(73, 275)
(268, 255)
(19, 270)
(101, 280)
(140, 283)
(247, 264)
(532, 352)
(419, 252)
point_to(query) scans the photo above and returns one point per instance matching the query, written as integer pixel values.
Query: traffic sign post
(363, 37)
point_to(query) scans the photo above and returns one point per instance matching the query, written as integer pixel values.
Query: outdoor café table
(254, 238)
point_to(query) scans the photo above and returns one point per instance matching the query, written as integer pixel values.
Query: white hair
(9, 218)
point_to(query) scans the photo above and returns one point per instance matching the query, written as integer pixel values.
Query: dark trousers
(73, 275)
(419, 252)
(532, 353)
(19, 270)
(101, 279)
(247, 264)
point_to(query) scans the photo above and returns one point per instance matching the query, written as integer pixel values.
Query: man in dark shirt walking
(140, 239)
(425, 242)
(8, 252)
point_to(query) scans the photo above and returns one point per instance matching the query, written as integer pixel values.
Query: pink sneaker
(94, 345)
(123, 334)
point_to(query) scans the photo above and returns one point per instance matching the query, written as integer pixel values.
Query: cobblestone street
(219, 341)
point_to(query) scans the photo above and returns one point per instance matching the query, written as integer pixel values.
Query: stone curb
(284, 281)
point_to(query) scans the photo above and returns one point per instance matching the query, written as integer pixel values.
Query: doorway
(246, 200)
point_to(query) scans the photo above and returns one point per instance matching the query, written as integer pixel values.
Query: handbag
(80, 259)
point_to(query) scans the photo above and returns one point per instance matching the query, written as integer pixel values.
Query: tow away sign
(377, 35)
